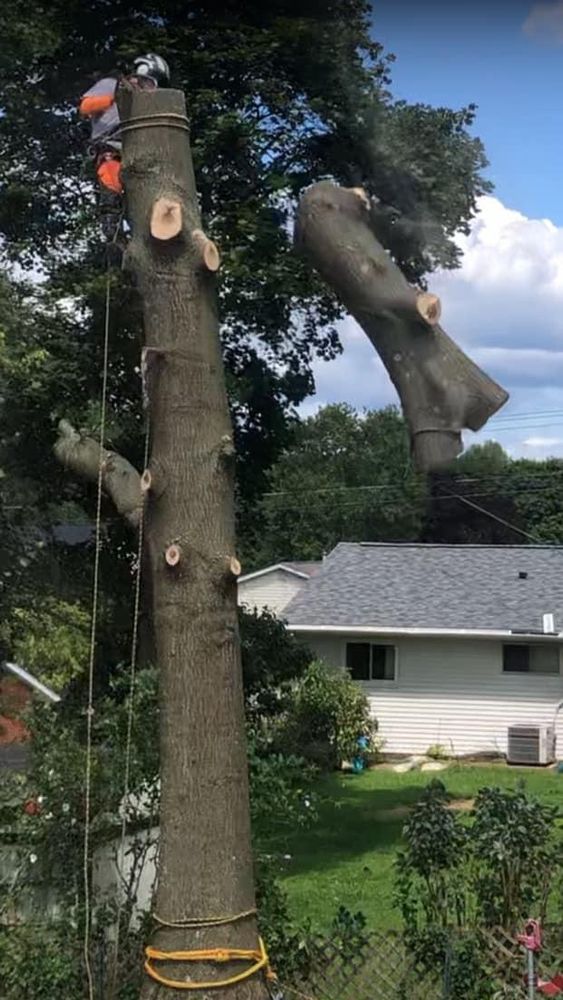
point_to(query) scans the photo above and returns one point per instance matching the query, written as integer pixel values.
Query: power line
(525, 414)
(491, 488)
(501, 520)
(505, 428)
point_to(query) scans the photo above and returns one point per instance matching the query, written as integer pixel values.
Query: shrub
(515, 855)
(281, 796)
(430, 890)
(42, 814)
(272, 659)
(40, 961)
(328, 713)
(495, 869)
(51, 639)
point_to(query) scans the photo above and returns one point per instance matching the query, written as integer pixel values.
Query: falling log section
(205, 871)
(441, 390)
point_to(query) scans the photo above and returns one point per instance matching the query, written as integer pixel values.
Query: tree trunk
(440, 388)
(205, 866)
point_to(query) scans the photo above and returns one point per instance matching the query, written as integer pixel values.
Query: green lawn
(347, 857)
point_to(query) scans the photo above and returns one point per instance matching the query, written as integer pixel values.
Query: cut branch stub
(233, 566)
(440, 388)
(429, 307)
(166, 219)
(146, 481)
(361, 193)
(207, 250)
(173, 555)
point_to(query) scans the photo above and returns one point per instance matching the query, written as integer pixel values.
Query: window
(520, 659)
(369, 661)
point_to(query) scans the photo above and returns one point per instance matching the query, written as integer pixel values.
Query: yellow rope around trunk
(259, 958)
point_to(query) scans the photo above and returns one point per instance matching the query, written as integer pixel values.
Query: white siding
(453, 692)
(108, 875)
(272, 590)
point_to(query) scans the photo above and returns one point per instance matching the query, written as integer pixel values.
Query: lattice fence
(377, 968)
(504, 960)
(381, 967)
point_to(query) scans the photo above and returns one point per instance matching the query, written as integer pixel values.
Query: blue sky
(505, 304)
(465, 52)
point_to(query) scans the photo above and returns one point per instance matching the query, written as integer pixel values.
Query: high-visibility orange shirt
(109, 174)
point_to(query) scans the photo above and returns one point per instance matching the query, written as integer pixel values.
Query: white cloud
(545, 22)
(504, 306)
(541, 442)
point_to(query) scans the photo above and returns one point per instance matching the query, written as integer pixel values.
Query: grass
(346, 858)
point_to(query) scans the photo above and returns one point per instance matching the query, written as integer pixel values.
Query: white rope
(92, 656)
(130, 707)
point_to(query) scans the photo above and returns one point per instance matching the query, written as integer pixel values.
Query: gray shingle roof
(434, 586)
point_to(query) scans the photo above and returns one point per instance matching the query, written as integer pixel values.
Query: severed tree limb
(120, 479)
(440, 388)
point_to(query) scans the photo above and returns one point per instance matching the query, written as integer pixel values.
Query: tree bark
(124, 486)
(205, 865)
(440, 388)
(120, 479)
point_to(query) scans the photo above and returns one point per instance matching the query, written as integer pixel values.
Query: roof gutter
(271, 569)
(31, 681)
(426, 632)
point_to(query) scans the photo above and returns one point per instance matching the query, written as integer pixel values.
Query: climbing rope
(205, 921)
(170, 119)
(259, 958)
(131, 705)
(93, 638)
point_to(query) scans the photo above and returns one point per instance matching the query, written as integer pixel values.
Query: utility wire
(501, 520)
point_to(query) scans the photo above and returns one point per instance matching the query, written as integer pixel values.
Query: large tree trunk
(440, 388)
(205, 867)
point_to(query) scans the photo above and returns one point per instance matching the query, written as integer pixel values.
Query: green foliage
(52, 640)
(329, 712)
(41, 961)
(272, 658)
(281, 797)
(453, 876)
(437, 751)
(322, 109)
(346, 477)
(520, 498)
(429, 889)
(489, 458)
(516, 856)
(42, 817)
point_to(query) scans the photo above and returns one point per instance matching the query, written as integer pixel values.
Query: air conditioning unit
(531, 745)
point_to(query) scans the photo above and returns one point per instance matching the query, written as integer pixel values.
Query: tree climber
(99, 105)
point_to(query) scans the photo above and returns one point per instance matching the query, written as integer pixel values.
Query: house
(17, 687)
(275, 586)
(452, 643)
